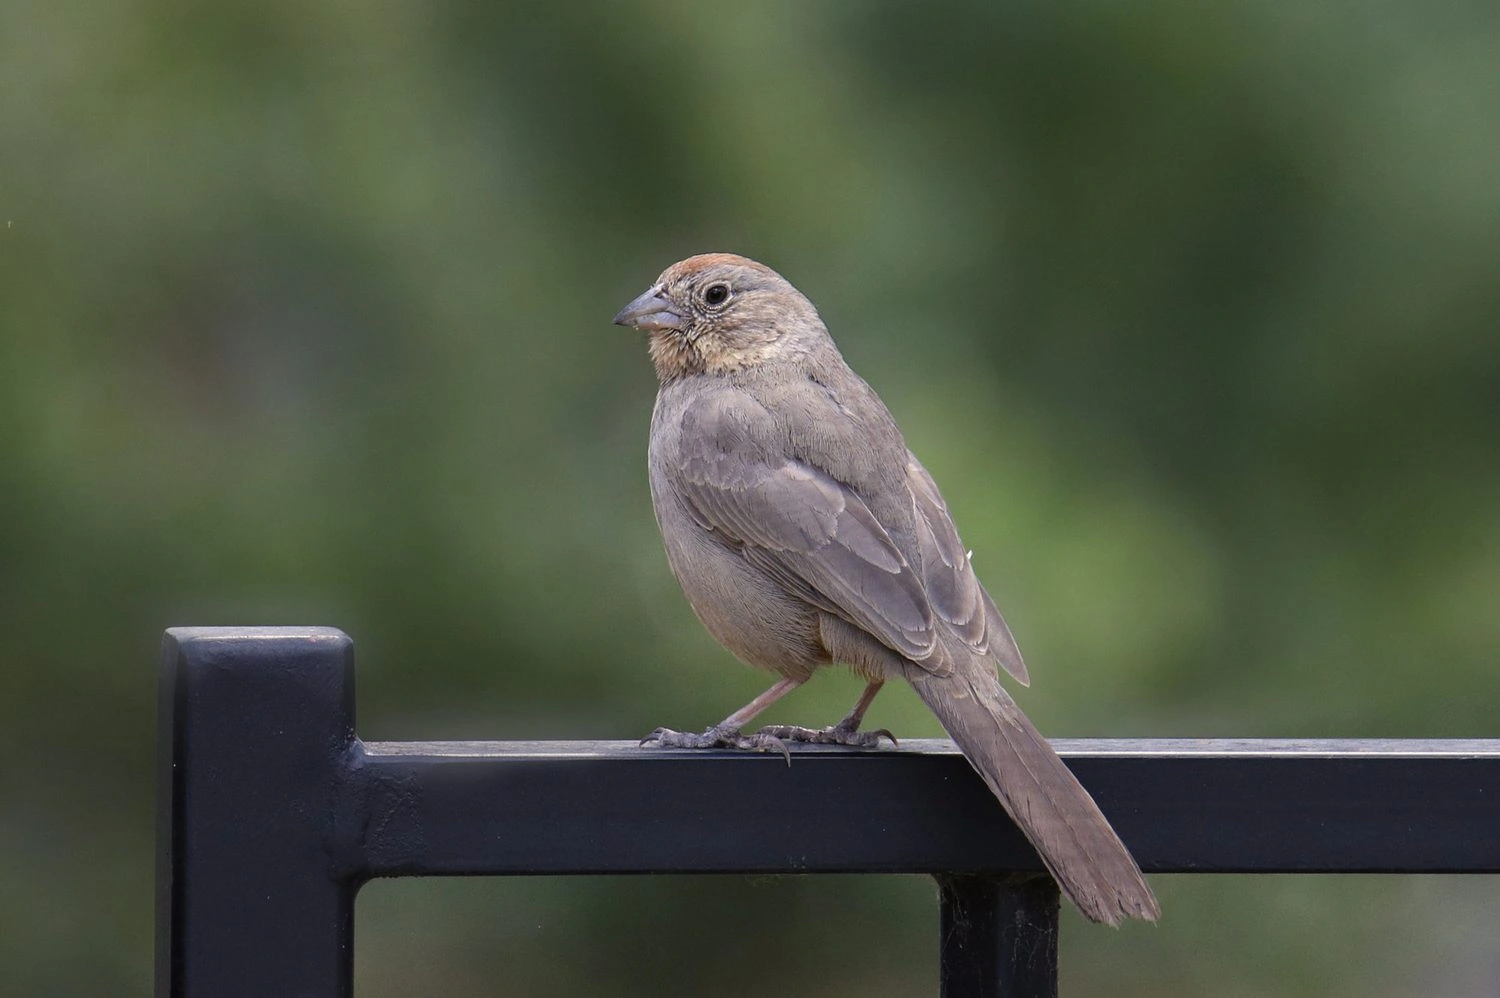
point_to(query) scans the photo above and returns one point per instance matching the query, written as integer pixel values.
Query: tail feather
(1040, 793)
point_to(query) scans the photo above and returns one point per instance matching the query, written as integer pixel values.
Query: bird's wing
(811, 533)
(953, 590)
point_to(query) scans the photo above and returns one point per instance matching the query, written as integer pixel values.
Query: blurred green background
(1192, 310)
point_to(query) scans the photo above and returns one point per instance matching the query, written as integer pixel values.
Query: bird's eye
(716, 294)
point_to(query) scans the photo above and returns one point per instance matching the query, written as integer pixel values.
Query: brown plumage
(804, 533)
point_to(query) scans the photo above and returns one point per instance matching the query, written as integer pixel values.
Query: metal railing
(272, 813)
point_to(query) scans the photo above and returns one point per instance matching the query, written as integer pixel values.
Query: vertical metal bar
(999, 937)
(255, 729)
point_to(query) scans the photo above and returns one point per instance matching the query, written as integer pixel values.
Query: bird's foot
(719, 736)
(838, 734)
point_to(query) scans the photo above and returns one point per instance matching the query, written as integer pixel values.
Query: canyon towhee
(804, 533)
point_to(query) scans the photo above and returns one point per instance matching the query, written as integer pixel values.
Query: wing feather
(811, 533)
(819, 539)
(952, 587)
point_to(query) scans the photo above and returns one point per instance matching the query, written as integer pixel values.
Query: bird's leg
(846, 732)
(728, 733)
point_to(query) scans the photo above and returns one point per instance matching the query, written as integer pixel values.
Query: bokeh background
(1192, 310)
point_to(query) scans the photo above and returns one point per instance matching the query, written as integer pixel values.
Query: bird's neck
(676, 356)
(673, 356)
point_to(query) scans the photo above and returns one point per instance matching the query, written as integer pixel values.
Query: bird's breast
(743, 608)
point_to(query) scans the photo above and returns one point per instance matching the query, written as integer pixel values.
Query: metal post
(255, 728)
(999, 937)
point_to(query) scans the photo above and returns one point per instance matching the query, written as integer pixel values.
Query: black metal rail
(272, 813)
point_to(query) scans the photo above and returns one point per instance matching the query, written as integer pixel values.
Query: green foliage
(304, 318)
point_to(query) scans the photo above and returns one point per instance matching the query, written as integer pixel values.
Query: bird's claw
(718, 737)
(838, 734)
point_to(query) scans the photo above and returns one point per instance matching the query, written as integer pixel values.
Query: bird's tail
(1040, 793)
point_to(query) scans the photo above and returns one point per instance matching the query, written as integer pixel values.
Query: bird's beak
(651, 310)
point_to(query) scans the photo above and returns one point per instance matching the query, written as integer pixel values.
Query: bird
(804, 533)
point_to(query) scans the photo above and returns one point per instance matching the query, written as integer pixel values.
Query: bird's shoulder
(827, 418)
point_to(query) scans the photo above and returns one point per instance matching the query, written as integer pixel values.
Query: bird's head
(718, 313)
